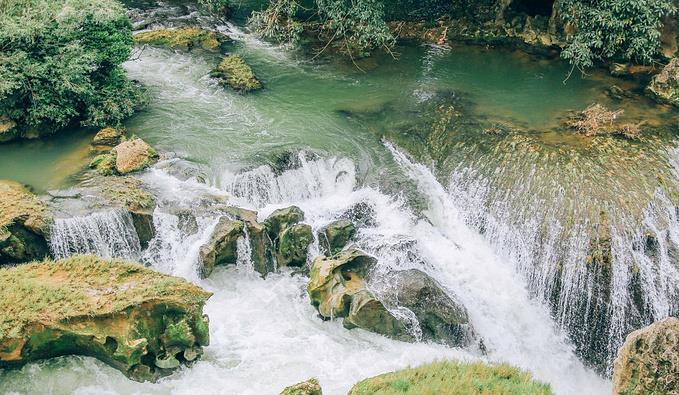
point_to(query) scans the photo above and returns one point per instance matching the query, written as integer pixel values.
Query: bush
(61, 64)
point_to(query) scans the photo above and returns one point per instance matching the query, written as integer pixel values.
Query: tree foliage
(628, 30)
(60, 63)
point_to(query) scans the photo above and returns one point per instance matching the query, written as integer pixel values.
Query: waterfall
(108, 234)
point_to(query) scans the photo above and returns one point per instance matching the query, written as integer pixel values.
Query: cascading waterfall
(108, 234)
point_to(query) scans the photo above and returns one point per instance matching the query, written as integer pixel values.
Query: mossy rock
(8, 130)
(24, 224)
(260, 244)
(454, 378)
(143, 323)
(293, 245)
(108, 137)
(105, 164)
(335, 236)
(281, 219)
(188, 38)
(309, 387)
(664, 87)
(222, 247)
(235, 73)
(133, 155)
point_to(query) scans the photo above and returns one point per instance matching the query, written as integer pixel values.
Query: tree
(60, 64)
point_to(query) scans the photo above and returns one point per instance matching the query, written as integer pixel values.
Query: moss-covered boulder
(105, 164)
(232, 71)
(335, 236)
(188, 38)
(309, 387)
(24, 224)
(664, 87)
(337, 289)
(108, 137)
(133, 155)
(449, 377)
(261, 245)
(441, 318)
(648, 361)
(290, 239)
(129, 193)
(222, 247)
(141, 322)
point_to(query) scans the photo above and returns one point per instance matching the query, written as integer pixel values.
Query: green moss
(105, 164)
(453, 378)
(186, 38)
(234, 72)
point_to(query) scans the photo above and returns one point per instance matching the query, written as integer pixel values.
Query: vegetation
(234, 72)
(598, 120)
(453, 378)
(215, 7)
(60, 64)
(187, 39)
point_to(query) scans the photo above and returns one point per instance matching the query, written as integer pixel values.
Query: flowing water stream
(465, 227)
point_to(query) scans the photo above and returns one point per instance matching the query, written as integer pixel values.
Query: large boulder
(232, 71)
(441, 318)
(133, 155)
(664, 87)
(222, 247)
(335, 236)
(290, 239)
(309, 387)
(141, 322)
(24, 224)
(337, 289)
(108, 137)
(261, 246)
(648, 361)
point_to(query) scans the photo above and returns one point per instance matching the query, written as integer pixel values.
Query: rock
(441, 318)
(141, 322)
(664, 87)
(337, 289)
(293, 245)
(128, 193)
(260, 244)
(648, 361)
(281, 219)
(108, 137)
(190, 38)
(105, 164)
(309, 387)
(24, 224)
(133, 155)
(334, 237)
(222, 248)
(362, 214)
(235, 73)
(8, 129)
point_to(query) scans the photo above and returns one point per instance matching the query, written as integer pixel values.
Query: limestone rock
(664, 87)
(24, 224)
(648, 361)
(222, 248)
(261, 245)
(337, 290)
(8, 130)
(235, 73)
(334, 237)
(133, 155)
(290, 239)
(309, 387)
(143, 323)
(190, 38)
(281, 219)
(109, 137)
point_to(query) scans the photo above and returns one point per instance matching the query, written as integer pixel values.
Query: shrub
(61, 64)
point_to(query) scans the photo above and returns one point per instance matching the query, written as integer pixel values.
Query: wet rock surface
(222, 247)
(664, 87)
(335, 236)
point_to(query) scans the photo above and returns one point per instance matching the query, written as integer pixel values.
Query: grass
(453, 378)
(51, 291)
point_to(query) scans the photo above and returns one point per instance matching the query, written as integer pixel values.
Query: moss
(453, 378)
(293, 245)
(105, 164)
(189, 38)
(119, 312)
(24, 224)
(234, 72)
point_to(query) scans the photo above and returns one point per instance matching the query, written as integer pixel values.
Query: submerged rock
(143, 323)
(222, 248)
(108, 137)
(334, 237)
(337, 289)
(189, 38)
(24, 224)
(309, 387)
(290, 239)
(234, 72)
(133, 155)
(648, 361)
(664, 87)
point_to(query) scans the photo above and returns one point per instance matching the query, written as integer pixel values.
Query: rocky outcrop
(441, 318)
(108, 137)
(334, 237)
(648, 361)
(222, 247)
(290, 239)
(337, 290)
(664, 87)
(133, 155)
(309, 387)
(143, 323)
(235, 73)
(188, 39)
(24, 224)
(261, 246)
(8, 129)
